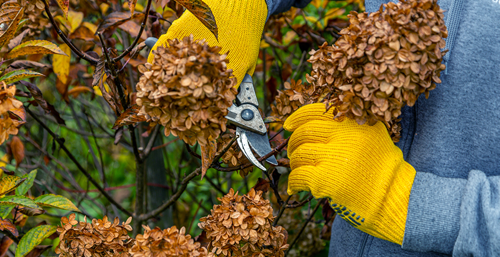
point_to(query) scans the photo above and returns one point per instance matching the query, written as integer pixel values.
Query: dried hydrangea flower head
(289, 100)
(98, 238)
(382, 62)
(187, 89)
(242, 226)
(8, 126)
(170, 242)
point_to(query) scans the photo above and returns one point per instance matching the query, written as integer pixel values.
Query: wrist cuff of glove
(393, 212)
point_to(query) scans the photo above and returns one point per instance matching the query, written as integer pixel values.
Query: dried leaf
(17, 149)
(262, 185)
(37, 95)
(30, 211)
(5, 243)
(17, 40)
(61, 64)
(6, 224)
(132, 28)
(18, 114)
(115, 19)
(11, 30)
(207, 156)
(25, 64)
(203, 12)
(131, 6)
(129, 117)
(79, 89)
(36, 47)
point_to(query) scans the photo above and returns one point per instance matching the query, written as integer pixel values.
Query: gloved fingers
(309, 178)
(316, 131)
(300, 180)
(306, 114)
(312, 154)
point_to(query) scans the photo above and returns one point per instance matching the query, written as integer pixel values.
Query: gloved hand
(240, 24)
(357, 166)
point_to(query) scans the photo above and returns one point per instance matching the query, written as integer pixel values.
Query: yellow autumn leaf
(64, 4)
(35, 47)
(90, 26)
(9, 184)
(55, 201)
(61, 63)
(3, 163)
(75, 19)
(263, 44)
(289, 36)
(333, 13)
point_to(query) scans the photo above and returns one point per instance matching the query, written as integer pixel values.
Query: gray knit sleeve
(454, 216)
(279, 6)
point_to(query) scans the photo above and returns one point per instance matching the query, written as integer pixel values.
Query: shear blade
(245, 148)
(259, 143)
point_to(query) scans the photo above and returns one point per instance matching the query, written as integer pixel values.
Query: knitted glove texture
(357, 167)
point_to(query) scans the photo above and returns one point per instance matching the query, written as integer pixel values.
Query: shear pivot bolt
(247, 114)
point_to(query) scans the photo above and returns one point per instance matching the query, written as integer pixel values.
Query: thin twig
(320, 203)
(282, 209)
(151, 142)
(173, 198)
(292, 206)
(244, 166)
(274, 186)
(136, 41)
(60, 141)
(191, 152)
(194, 216)
(164, 145)
(73, 48)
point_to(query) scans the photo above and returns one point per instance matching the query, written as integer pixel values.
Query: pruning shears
(251, 132)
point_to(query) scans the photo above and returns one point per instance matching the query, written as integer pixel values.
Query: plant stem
(283, 207)
(173, 198)
(136, 41)
(320, 203)
(73, 48)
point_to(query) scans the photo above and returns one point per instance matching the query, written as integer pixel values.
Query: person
(435, 193)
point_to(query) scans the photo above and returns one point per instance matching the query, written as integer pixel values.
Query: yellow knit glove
(357, 166)
(240, 24)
